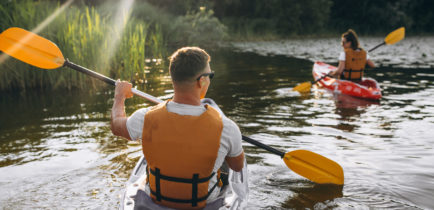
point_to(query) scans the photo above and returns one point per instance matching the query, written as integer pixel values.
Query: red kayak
(367, 88)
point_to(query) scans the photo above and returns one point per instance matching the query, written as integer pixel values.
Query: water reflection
(350, 109)
(59, 149)
(349, 102)
(312, 196)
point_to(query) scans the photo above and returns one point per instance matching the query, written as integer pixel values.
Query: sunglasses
(211, 75)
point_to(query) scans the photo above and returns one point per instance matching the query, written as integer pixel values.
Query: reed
(132, 52)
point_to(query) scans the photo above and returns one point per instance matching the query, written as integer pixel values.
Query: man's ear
(201, 82)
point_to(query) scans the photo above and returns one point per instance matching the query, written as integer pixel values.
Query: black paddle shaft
(377, 46)
(89, 72)
(314, 82)
(263, 146)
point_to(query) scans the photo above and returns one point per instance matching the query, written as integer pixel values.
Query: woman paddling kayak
(353, 59)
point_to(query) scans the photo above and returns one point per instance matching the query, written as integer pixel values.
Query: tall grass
(132, 52)
(80, 37)
(83, 36)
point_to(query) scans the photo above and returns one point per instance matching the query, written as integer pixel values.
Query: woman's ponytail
(351, 36)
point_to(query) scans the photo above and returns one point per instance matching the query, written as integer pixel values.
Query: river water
(57, 151)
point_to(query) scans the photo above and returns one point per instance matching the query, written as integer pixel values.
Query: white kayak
(232, 196)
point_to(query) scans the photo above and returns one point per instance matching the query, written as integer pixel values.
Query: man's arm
(119, 118)
(370, 63)
(231, 139)
(236, 163)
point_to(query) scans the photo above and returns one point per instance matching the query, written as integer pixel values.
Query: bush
(199, 28)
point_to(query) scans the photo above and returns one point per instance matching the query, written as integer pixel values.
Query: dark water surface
(57, 151)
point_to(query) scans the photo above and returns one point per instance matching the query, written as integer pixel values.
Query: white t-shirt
(230, 140)
(342, 56)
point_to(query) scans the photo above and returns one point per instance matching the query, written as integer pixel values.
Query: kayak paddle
(392, 38)
(40, 52)
(305, 86)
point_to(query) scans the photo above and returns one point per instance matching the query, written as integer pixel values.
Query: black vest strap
(183, 180)
(349, 74)
(194, 190)
(157, 184)
(194, 181)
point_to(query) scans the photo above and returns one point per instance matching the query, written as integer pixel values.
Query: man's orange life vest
(181, 151)
(355, 61)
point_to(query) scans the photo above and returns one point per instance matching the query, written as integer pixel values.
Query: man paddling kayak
(353, 59)
(184, 141)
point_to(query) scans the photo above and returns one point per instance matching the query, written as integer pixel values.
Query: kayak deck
(367, 88)
(232, 196)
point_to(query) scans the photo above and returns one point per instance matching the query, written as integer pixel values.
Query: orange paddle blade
(303, 87)
(395, 36)
(315, 167)
(31, 48)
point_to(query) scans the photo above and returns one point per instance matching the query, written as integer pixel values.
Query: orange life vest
(181, 151)
(355, 61)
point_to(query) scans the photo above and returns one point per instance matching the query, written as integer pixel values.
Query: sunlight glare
(120, 20)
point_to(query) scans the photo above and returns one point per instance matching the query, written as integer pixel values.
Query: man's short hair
(187, 62)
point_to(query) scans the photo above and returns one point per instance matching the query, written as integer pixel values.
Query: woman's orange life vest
(355, 62)
(181, 151)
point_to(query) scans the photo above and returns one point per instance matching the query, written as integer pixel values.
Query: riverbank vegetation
(289, 18)
(132, 43)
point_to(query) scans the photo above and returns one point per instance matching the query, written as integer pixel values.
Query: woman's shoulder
(342, 56)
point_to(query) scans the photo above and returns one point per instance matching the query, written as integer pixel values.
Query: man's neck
(186, 98)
